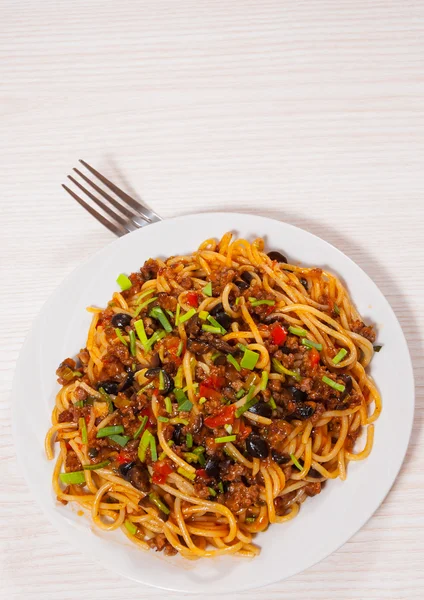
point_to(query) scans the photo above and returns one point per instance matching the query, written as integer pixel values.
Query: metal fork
(128, 215)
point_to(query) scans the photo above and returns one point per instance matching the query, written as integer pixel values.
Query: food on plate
(216, 392)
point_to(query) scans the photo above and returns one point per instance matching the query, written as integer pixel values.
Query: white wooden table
(310, 112)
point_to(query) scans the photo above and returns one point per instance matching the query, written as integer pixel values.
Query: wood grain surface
(308, 111)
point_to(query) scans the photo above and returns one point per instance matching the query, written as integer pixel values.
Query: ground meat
(80, 394)
(65, 371)
(367, 331)
(232, 472)
(112, 367)
(319, 410)
(239, 496)
(72, 461)
(220, 279)
(185, 282)
(66, 416)
(202, 490)
(166, 301)
(158, 542)
(312, 489)
(277, 433)
(122, 353)
(149, 270)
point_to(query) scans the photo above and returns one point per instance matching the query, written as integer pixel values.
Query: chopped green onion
(246, 406)
(130, 526)
(153, 449)
(142, 426)
(144, 294)
(99, 465)
(123, 282)
(207, 290)
(163, 419)
(176, 420)
(228, 428)
(132, 343)
(122, 440)
(184, 403)
(298, 331)
(215, 356)
(336, 309)
(76, 477)
(333, 384)
(170, 443)
(112, 430)
(225, 439)
(168, 405)
(203, 400)
(311, 344)
(296, 462)
(215, 323)
(177, 314)
(158, 314)
(170, 313)
(161, 380)
(107, 399)
(186, 474)
(203, 314)
(154, 499)
(249, 359)
(120, 336)
(241, 346)
(264, 380)
(250, 519)
(190, 457)
(283, 371)
(201, 460)
(377, 348)
(237, 302)
(211, 329)
(162, 456)
(221, 487)
(158, 335)
(199, 450)
(189, 440)
(178, 379)
(187, 315)
(240, 393)
(233, 362)
(141, 332)
(180, 348)
(144, 304)
(272, 404)
(83, 428)
(193, 386)
(252, 299)
(339, 356)
(211, 491)
(259, 302)
(79, 404)
(144, 444)
(78, 374)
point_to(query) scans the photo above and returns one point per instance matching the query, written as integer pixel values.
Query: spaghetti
(215, 393)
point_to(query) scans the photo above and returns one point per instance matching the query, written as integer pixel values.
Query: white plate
(324, 522)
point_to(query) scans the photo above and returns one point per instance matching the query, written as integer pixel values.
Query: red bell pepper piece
(278, 335)
(192, 299)
(314, 357)
(226, 415)
(202, 473)
(214, 381)
(209, 393)
(161, 470)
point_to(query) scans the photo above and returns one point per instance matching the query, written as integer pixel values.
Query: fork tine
(125, 224)
(105, 195)
(116, 229)
(146, 212)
